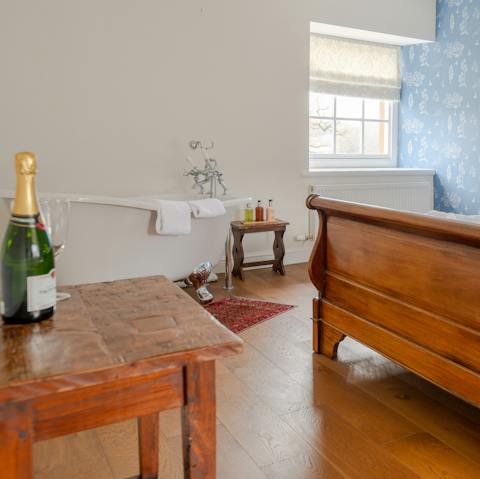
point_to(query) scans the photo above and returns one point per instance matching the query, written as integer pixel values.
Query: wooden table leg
(238, 254)
(16, 441)
(148, 445)
(198, 421)
(279, 252)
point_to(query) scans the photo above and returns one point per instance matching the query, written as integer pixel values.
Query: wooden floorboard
(348, 449)
(284, 413)
(79, 455)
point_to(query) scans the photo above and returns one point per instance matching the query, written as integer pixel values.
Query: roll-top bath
(113, 238)
(404, 284)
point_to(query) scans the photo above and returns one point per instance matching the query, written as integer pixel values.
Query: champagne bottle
(27, 261)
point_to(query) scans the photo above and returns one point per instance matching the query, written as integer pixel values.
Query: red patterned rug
(238, 314)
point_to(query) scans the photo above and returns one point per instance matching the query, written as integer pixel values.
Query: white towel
(173, 218)
(207, 208)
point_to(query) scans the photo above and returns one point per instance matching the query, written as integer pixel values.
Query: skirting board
(292, 256)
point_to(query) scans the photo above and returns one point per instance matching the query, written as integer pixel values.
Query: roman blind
(339, 66)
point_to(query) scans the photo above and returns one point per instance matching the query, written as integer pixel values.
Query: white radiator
(402, 189)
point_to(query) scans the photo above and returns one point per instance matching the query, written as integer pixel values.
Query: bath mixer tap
(209, 175)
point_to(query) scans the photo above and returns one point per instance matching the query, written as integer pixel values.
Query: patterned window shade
(339, 66)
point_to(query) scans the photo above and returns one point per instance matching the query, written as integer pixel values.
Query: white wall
(108, 92)
(414, 19)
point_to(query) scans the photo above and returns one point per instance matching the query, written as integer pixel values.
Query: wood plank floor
(284, 413)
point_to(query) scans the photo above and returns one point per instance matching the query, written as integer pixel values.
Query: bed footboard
(404, 284)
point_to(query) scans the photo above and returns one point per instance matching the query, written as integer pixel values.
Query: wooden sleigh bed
(404, 284)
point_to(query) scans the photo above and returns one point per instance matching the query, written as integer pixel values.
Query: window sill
(333, 172)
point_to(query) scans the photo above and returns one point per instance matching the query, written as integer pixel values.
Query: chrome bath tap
(209, 175)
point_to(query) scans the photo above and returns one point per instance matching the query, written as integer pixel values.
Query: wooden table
(114, 351)
(240, 229)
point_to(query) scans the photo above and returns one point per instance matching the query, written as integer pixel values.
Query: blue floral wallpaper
(440, 106)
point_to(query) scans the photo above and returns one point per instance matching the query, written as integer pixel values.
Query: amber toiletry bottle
(270, 211)
(259, 211)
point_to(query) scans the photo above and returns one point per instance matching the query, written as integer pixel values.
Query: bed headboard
(405, 284)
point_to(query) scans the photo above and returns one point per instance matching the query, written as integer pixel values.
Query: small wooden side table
(240, 229)
(114, 351)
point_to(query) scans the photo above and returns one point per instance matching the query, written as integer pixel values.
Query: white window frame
(318, 161)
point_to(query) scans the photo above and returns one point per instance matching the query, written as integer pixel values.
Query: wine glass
(55, 213)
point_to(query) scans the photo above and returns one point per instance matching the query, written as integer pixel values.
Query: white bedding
(455, 217)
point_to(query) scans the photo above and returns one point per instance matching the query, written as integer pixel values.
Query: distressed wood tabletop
(109, 330)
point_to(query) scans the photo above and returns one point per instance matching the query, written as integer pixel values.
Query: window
(354, 92)
(349, 131)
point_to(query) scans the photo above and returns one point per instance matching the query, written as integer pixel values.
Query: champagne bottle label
(41, 291)
(27, 222)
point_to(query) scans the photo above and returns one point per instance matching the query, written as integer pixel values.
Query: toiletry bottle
(259, 212)
(248, 213)
(270, 211)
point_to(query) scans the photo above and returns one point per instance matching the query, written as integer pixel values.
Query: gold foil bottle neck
(26, 163)
(26, 203)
